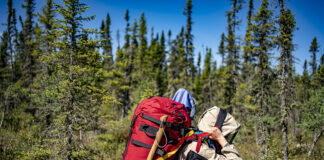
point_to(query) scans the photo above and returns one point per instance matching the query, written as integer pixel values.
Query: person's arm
(217, 136)
(228, 150)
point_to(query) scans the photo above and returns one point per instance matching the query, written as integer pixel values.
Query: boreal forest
(65, 93)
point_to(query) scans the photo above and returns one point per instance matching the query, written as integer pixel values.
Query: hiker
(207, 123)
(161, 129)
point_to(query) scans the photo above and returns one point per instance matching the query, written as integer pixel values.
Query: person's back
(207, 123)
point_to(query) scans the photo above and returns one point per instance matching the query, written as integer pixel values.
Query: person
(207, 121)
(223, 137)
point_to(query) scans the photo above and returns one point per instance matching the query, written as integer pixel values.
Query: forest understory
(65, 94)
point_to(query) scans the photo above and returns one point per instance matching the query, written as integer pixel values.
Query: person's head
(230, 126)
(184, 97)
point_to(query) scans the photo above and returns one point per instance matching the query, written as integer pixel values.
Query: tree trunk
(262, 143)
(293, 124)
(315, 140)
(2, 118)
(264, 147)
(285, 139)
(256, 133)
(284, 112)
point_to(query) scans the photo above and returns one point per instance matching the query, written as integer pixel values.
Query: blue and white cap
(184, 97)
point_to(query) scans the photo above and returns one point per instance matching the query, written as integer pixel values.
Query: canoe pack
(146, 122)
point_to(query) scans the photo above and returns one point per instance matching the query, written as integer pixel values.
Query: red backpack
(145, 123)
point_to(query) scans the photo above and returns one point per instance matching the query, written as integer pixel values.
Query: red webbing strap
(190, 136)
(182, 140)
(194, 136)
(205, 134)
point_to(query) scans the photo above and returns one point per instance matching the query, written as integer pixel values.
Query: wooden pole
(158, 138)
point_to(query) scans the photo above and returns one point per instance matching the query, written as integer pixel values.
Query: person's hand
(217, 136)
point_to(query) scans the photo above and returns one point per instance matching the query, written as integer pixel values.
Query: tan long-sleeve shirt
(228, 152)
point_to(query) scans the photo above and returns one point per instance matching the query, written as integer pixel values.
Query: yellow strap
(169, 154)
(190, 133)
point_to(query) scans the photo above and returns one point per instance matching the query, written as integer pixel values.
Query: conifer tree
(133, 49)
(176, 68)
(7, 53)
(306, 83)
(232, 48)
(4, 71)
(287, 26)
(107, 44)
(142, 42)
(77, 77)
(127, 30)
(263, 30)
(11, 36)
(28, 66)
(313, 49)
(221, 48)
(318, 80)
(206, 81)
(197, 84)
(124, 64)
(214, 81)
(314, 118)
(189, 48)
(248, 56)
(47, 20)
(160, 63)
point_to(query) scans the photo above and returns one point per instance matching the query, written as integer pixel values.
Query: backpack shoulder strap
(220, 118)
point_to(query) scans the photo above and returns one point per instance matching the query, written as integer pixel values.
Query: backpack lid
(208, 119)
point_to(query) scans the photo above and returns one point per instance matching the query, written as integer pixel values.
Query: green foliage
(313, 114)
(66, 95)
(314, 49)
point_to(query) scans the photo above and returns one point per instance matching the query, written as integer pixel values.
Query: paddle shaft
(158, 138)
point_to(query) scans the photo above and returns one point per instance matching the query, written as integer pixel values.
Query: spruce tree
(11, 36)
(232, 48)
(248, 56)
(189, 48)
(124, 64)
(160, 86)
(197, 84)
(206, 81)
(318, 79)
(7, 54)
(142, 43)
(77, 89)
(314, 118)
(127, 30)
(263, 30)
(287, 25)
(4, 71)
(306, 83)
(107, 44)
(46, 19)
(27, 57)
(314, 48)
(221, 48)
(177, 64)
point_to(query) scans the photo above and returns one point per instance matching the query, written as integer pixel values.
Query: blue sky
(208, 16)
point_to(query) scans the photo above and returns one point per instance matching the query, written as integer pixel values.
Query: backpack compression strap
(219, 124)
(192, 136)
(189, 136)
(220, 118)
